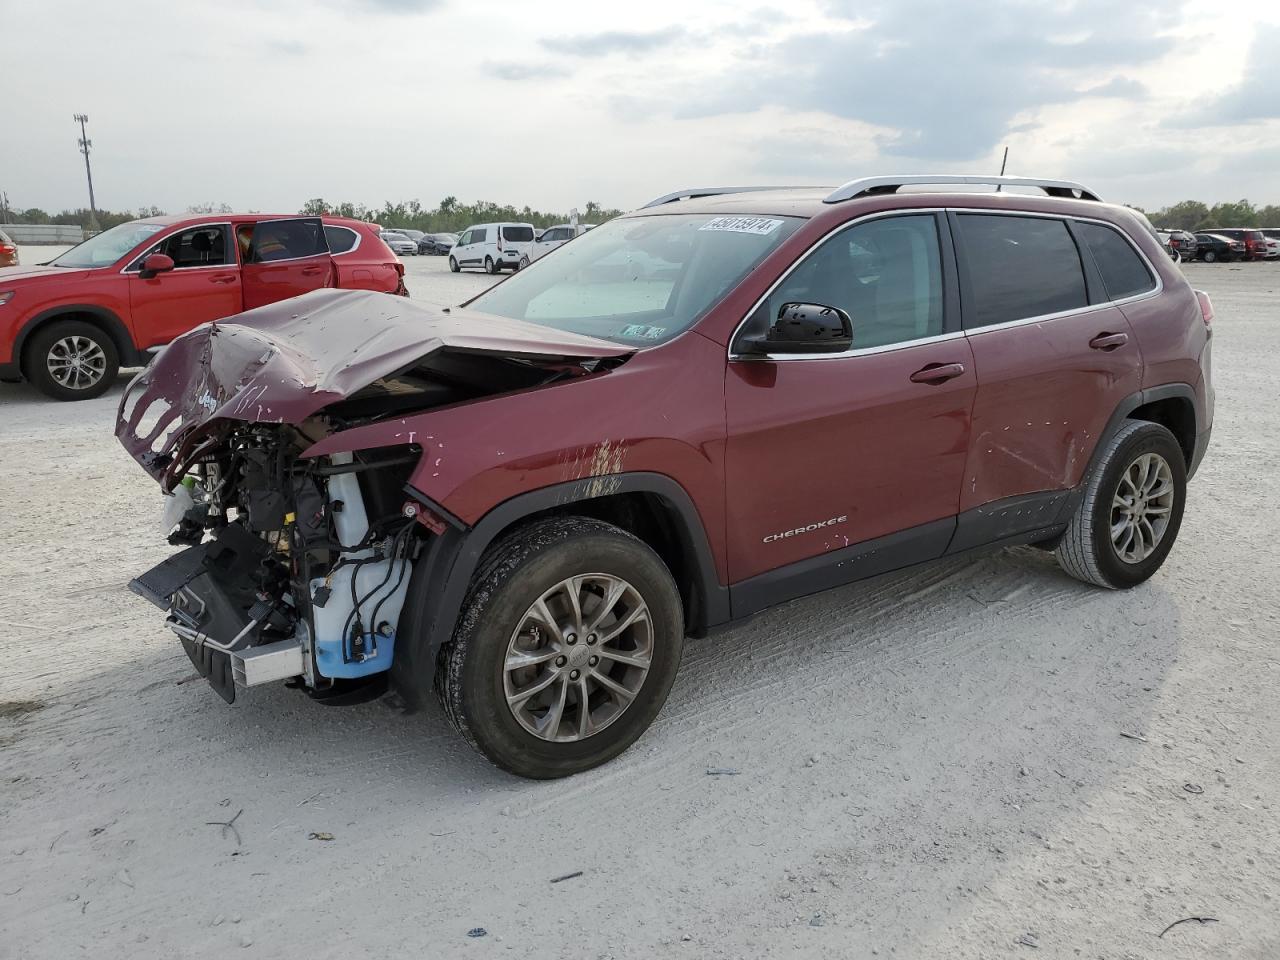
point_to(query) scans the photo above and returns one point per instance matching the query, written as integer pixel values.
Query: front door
(826, 455)
(1054, 357)
(203, 285)
(283, 258)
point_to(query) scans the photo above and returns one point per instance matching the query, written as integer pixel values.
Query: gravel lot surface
(981, 758)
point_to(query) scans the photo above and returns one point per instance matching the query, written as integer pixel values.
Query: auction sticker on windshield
(760, 226)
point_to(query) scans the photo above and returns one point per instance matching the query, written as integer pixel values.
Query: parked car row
(1227, 244)
(491, 247)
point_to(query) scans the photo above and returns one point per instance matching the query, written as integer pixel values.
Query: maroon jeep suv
(725, 400)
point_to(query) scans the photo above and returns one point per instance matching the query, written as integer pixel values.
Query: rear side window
(517, 234)
(1123, 272)
(340, 239)
(1019, 267)
(285, 240)
(478, 236)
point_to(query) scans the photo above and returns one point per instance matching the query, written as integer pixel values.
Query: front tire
(1125, 526)
(453, 265)
(71, 360)
(1210, 256)
(566, 648)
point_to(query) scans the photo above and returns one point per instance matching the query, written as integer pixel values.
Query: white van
(556, 236)
(493, 246)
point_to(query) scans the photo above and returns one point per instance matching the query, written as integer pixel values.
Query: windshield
(107, 247)
(638, 281)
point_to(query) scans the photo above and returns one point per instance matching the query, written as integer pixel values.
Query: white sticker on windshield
(760, 226)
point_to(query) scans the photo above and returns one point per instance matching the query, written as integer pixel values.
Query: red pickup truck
(69, 325)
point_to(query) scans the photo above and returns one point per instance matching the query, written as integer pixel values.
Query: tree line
(1196, 216)
(450, 215)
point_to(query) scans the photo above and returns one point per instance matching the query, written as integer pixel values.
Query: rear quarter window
(341, 239)
(1018, 267)
(1123, 272)
(517, 234)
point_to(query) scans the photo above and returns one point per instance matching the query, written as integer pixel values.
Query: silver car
(400, 244)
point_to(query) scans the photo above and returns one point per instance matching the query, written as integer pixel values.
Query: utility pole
(85, 144)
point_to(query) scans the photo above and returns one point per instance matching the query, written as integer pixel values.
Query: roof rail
(869, 186)
(694, 192)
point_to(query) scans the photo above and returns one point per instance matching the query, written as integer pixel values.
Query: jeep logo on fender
(809, 529)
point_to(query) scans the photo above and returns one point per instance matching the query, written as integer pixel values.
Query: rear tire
(1127, 523)
(1210, 256)
(518, 608)
(71, 360)
(524, 262)
(489, 266)
(453, 265)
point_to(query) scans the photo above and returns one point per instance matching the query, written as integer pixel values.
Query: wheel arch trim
(111, 323)
(444, 570)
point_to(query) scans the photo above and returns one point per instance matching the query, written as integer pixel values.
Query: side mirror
(156, 263)
(804, 328)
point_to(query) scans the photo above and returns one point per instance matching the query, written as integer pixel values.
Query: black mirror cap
(804, 328)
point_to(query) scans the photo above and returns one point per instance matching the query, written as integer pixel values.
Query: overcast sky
(553, 103)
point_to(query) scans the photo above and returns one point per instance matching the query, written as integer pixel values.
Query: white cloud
(556, 103)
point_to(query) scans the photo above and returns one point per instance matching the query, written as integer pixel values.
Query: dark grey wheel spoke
(578, 657)
(1141, 506)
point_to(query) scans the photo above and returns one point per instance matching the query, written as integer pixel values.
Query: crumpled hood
(284, 362)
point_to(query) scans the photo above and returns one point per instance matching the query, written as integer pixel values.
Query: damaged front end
(295, 567)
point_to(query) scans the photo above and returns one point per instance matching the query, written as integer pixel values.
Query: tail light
(7, 248)
(399, 265)
(1206, 309)
(499, 239)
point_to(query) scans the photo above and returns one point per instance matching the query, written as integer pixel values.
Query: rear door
(203, 285)
(282, 259)
(1054, 358)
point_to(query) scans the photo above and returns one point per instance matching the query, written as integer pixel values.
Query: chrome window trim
(234, 265)
(963, 331)
(339, 226)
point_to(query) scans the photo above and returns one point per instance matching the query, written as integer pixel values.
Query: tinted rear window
(518, 234)
(286, 240)
(1123, 272)
(1019, 267)
(340, 239)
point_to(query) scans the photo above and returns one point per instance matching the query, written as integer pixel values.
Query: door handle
(1109, 341)
(311, 271)
(223, 278)
(938, 373)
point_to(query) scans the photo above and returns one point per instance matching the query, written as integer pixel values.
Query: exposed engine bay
(296, 565)
(305, 568)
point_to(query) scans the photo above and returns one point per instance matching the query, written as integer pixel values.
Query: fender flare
(1121, 413)
(1166, 391)
(443, 571)
(115, 327)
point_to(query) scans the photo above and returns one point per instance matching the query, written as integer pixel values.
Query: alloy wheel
(578, 658)
(76, 362)
(1141, 506)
